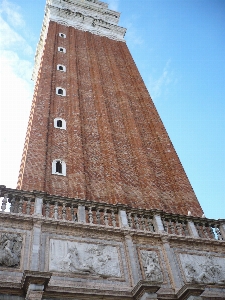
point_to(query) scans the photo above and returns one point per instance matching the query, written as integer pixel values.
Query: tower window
(62, 35)
(59, 167)
(61, 49)
(60, 123)
(61, 68)
(60, 91)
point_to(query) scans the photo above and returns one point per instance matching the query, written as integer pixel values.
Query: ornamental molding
(86, 15)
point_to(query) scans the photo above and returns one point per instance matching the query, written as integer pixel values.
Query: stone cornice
(86, 15)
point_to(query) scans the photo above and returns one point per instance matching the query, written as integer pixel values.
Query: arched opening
(59, 123)
(59, 167)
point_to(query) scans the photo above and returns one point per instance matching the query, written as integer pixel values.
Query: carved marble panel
(151, 266)
(10, 249)
(84, 258)
(203, 269)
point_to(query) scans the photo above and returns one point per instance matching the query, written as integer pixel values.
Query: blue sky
(179, 49)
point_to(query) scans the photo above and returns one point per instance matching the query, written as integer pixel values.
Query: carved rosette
(10, 249)
(151, 266)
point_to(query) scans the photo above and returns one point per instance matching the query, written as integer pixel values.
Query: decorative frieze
(203, 269)
(84, 258)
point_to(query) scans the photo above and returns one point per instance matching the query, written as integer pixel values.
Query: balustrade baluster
(130, 220)
(218, 233)
(165, 225)
(178, 227)
(20, 208)
(171, 226)
(204, 229)
(73, 213)
(4, 202)
(198, 227)
(113, 218)
(64, 211)
(150, 224)
(143, 222)
(12, 207)
(211, 233)
(56, 209)
(106, 218)
(28, 206)
(98, 216)
(185, 229)
(136, 221)
(47, 209)
(90, 215)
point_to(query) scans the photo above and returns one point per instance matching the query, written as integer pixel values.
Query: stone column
(148, 296)
(133, 260)
(222, 230)
(35, 292)
(34, 284)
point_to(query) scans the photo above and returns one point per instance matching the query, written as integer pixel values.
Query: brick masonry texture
(115, 147)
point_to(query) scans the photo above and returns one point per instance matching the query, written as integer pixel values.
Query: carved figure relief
(84, 258)
(203, 269)
(10, 249)
(151, 266)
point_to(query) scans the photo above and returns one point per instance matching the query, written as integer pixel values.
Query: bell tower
(103, 208)
(94, 132)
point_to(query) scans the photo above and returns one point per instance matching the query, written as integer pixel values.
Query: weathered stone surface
(83, 258)
(10, 249)
(204, 268)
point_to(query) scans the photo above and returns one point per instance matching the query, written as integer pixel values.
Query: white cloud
(159, 85)
(11, 11)
(16, 91)
(113, 4)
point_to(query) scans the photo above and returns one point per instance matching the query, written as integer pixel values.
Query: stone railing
(94, 213)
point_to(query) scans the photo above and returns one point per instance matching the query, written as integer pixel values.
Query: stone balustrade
(101, 214)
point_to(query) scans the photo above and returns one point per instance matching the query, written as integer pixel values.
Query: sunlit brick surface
(115, 147)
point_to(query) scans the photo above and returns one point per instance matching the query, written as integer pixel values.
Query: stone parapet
(89, 253)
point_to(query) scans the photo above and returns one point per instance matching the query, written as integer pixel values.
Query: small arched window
(59, 167)
(61, 68)
(62, 35)
(60, 91)
(61, 49)
(60, 123)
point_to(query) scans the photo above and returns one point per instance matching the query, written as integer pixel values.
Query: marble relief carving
(203, 269)
(10, 249)
(151, 266)
(84, 258)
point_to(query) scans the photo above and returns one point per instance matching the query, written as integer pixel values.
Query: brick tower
(94, 132)
(103, 208)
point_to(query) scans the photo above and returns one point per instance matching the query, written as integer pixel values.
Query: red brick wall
(115, 147)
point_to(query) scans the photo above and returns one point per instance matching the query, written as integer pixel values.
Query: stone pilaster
(133, 256)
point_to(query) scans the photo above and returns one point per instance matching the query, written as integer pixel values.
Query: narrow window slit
(59, 167)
